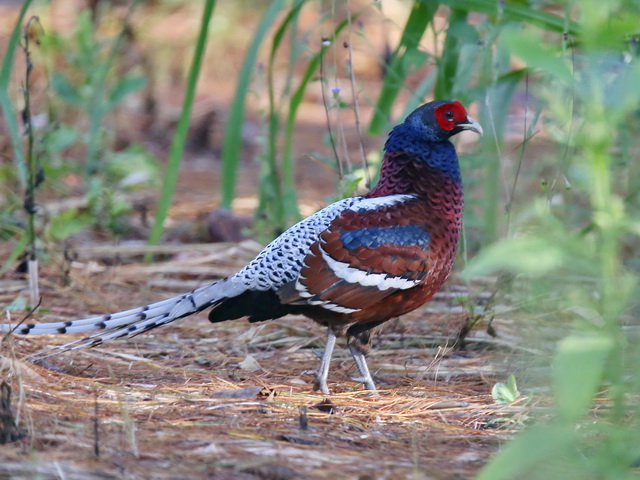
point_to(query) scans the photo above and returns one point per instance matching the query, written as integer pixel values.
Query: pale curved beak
(472, 125)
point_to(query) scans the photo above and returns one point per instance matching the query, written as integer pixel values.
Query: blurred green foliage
(87, 83)
(568, 241)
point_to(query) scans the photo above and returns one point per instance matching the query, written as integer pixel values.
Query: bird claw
(366, 382)
(321, 385)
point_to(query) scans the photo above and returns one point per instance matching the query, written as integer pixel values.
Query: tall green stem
(180, 137)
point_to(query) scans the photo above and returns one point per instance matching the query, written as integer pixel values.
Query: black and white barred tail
(128, 322)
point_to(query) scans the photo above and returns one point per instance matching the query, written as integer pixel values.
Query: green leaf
(133, 167)
(533, 255)
(125, 86)
(528, 451)
(65, 90)
(351, 181)
(19, 304)
(504, 393)
(6, 107)
(60, 138)
(531, 48)
(20, 247)
(578, 370)
(519, 12)
(421, 15)
(69, 223)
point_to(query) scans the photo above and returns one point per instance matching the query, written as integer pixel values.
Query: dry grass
(166, 404)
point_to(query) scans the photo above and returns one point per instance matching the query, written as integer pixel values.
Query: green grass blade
(272, 205)
(516, 12)
(233, 133)
(180, 137)
(20, 247)
(282, 29)
(448, 62)
(296, 47)
(294, 103)
(419, 18)
(418, 94)
(5, 101)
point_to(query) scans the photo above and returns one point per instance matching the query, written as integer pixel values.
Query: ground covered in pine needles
(194, 400)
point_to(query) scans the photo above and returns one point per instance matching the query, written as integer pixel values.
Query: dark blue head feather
(423, 135)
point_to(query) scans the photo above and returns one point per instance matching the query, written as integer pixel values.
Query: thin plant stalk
(325, 102)
(356, 107)
(34, 169)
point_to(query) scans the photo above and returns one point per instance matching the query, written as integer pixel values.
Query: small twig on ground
(96, 426)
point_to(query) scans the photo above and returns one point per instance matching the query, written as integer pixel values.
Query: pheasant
(351, 266)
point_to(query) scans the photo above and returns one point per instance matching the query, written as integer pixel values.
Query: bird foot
(366, 382)
(321, 384)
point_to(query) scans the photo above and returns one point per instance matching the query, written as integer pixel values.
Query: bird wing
(281, 263)
(371, 250)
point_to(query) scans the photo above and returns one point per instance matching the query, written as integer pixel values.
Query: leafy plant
(84, 91)
(577, 263)
(88, 85)
(504, 393)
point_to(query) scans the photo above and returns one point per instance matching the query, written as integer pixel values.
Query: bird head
(440, 120)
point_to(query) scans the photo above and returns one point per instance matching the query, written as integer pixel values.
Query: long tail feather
(134, 321)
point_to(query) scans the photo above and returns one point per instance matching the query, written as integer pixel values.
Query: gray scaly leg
(323, 370)
(361, 362)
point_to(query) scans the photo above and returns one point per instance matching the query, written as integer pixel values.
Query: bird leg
(323, 371)
(361, 362)
(359, 346)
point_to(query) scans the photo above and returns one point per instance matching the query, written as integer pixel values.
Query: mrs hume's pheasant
(351, 266)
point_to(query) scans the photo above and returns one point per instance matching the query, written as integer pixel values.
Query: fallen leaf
(249, 364)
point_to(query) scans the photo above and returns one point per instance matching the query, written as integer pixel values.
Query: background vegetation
(553, 188)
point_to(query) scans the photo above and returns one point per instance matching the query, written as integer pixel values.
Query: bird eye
(448, 115)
